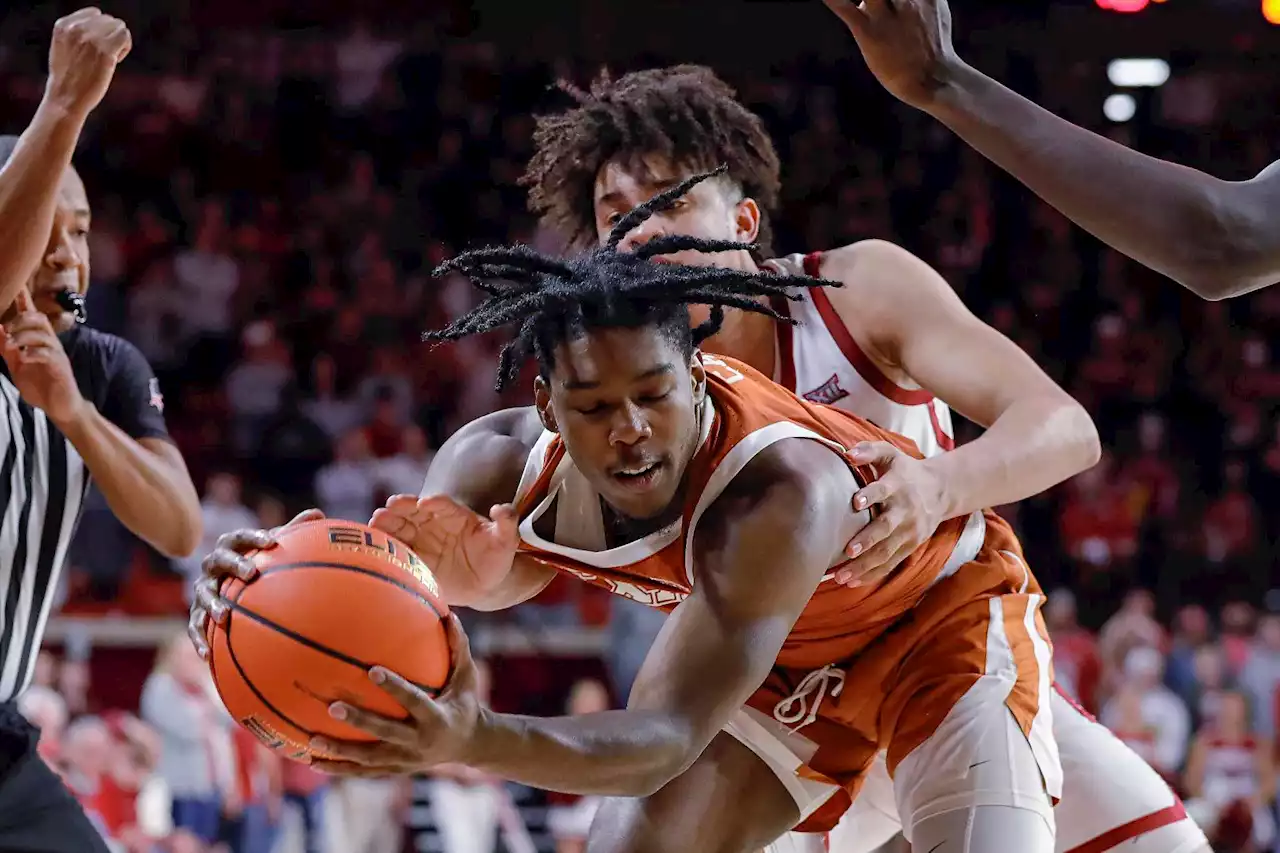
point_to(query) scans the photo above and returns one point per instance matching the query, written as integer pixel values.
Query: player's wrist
(954, 86)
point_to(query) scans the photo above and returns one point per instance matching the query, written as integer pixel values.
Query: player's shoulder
(875, 265)
(788, 475)
(503, 438)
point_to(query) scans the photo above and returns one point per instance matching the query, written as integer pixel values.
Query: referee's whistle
(74, 303)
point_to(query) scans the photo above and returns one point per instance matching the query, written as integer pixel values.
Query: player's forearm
(1034, 445)
(28, 191)
(150, 495)
(613, 753)
(1212, 236)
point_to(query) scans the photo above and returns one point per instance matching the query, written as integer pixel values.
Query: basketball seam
(244, 676)
(364, 666)
(314, 564)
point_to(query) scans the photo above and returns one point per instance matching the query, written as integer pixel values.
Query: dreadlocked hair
(552, 300)
(684, 113)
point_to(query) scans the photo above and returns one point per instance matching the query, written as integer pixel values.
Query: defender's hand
(87, 45)
(38, 364)
(228, 559)
(909, 496)
(438, 731)
(468, 553)
(906, 43)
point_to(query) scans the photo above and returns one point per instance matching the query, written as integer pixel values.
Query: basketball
(331, 600)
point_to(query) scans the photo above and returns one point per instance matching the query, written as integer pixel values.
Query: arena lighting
(1125, 5)
(1119, 107)
(1271, 11)
(1133, 73)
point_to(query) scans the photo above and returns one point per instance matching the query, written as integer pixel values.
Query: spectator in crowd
(177, 701)
(222, 510)
(1076, 665)
(1132, 626)
(1159, 711)
(1191, 629)
(1260, 675)
(403, 473)
(307, 792)
(1230, 767)
(345, 487)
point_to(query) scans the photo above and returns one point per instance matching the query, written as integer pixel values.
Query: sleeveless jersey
(820, 360)
(744, 413)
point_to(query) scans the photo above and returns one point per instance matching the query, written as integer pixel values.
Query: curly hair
(551, 300)
(684, 113)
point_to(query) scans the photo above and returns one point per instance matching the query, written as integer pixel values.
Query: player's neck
(749, 337)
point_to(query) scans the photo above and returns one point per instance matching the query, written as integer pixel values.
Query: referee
(75, 405)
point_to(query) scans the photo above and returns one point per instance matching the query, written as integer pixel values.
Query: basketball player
(894, 345)
(1216, 238)
(696, 485)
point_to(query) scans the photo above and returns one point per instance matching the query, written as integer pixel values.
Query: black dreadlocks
(556, 300)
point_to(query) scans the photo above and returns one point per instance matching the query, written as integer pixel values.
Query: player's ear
(746, 220)
(698, 376)
(542, 402)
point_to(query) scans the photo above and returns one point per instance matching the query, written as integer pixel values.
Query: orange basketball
(333, 599)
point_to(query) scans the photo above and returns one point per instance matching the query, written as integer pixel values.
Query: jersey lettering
(720, 370)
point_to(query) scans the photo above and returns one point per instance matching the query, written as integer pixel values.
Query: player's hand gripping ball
(324, 603)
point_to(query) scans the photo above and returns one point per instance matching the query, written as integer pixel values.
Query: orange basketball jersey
(744, 413)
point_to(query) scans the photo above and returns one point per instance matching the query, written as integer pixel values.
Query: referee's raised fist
(83, 55)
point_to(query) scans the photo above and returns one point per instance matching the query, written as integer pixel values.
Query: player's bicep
(750, 585)
(481, 464)
(937, 340)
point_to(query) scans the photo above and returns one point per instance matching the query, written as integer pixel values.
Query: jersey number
(720, 370)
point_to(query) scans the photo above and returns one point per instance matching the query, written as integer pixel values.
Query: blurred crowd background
(271, 190)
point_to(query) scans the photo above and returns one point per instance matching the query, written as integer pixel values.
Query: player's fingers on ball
(305, 516)
(346, 752)
(410, 697)
(391, 731)
(222, 562)
(244, 540)
(206, 597)
(460, 645)
(195, 632)
(388, 521)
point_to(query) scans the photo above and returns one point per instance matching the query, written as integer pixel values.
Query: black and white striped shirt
(43, 483)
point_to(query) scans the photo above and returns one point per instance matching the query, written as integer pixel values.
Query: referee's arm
(134, 463)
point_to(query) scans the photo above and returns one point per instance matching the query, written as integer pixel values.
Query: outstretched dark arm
(1217, 238)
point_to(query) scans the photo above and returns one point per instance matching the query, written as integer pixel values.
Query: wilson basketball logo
(356, 538)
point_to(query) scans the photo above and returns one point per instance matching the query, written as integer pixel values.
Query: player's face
(712, 210)
(65, 265)
(626, 402)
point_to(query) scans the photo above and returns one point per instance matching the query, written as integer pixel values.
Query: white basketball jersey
(820, 360)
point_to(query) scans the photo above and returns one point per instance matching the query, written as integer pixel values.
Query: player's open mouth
(638, 477)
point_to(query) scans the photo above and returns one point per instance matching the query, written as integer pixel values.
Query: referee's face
(66, 258)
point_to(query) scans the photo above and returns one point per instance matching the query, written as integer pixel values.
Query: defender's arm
(1037, 434)
(1217, 238)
